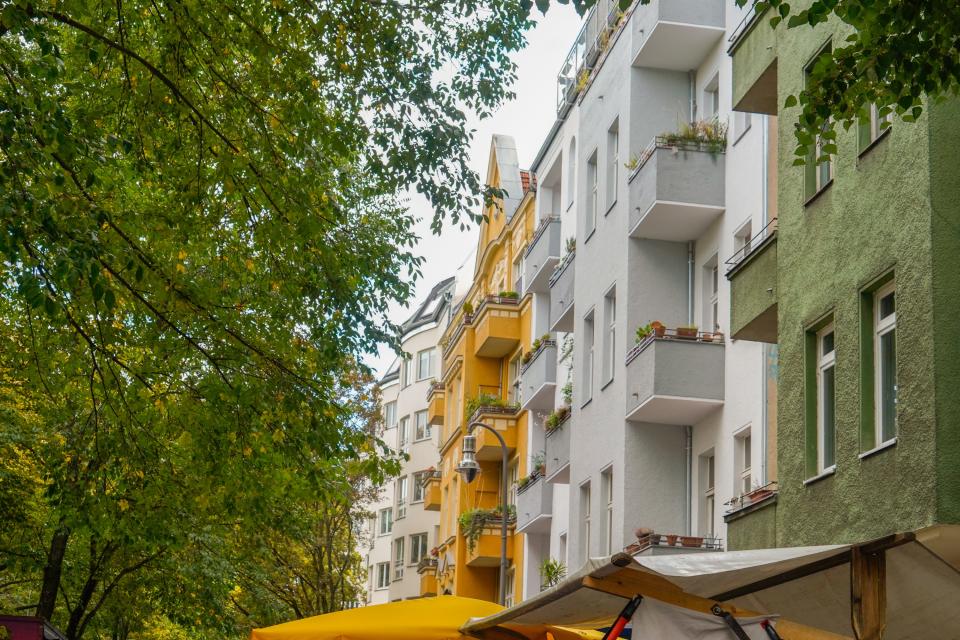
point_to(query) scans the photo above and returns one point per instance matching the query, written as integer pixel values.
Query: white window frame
(430, 364)
(715, 297)
(399, 554)
(710, 494)
(513, 477)
(418, 547)
(403, 433)
(593, 195)
(385, 516)
(590, 336)
(825, 362)
(585, 508)
(383, 575)
(744, 460)
(514, 383)
(876, 123)
(401, 501)
(610, 335)
(421, 426)
(882, 327)
(819, 182)
(418, 491)
(390, 415)
(607, 482)
(613, 162)
(518, 273)
(511, 578)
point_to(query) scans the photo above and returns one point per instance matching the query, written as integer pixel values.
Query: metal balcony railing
(751, 245)
(663, 333)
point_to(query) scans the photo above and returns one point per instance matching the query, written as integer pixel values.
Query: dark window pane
(888, 385)
(888, 304)
(829, 418)
(827, 342)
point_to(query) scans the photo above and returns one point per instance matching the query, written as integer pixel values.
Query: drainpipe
(765, 351)
(688, 479)
(692, 76)
(690, 265)
(766, 161)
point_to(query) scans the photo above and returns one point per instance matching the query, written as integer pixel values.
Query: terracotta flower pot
(691, 541)
(686, 332)
(672, 540)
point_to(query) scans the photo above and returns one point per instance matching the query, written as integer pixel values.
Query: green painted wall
(753, 291)
(756, 530)
(893, 208)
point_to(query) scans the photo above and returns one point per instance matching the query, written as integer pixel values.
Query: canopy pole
(624, 618)
(868, 593)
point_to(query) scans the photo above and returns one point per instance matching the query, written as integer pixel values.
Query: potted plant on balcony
(473, 522)
(510, 295)
(556, 418)
(467, 309)
(527, 357)
(688, 331)
(552, 572)
(691, 541)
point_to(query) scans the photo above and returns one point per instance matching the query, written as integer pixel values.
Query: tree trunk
(51, 573)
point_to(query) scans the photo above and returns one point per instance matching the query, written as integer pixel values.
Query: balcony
(485, 550)
(535, 506)
(436, 404)
(658, 544)
(542, 256)
(431, 492)
(753, 46)
(496, 327)
(539, 378)
(752, 272)
(587, 48)
(427, 568)
(557, 453)
(561, 294)
(673, 378)
(752, 519)
(676, 34)
(504, 421)
(677, 190)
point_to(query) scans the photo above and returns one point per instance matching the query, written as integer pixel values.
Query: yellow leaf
(247, 451)
(181, 268)
(123, 504)
(182, 255)
(250, 264)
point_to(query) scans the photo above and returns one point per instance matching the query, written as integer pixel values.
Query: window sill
(589, 235)
(876, 141)
(826, 473)
(606, 384)
(586, 402)
(610, 208)
(883, 447)
(740, 135)
(423, 439)
(819, 193)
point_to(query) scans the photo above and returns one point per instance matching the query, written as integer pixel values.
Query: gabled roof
(432, 307)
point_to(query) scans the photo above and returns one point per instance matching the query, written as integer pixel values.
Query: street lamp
(469, 468)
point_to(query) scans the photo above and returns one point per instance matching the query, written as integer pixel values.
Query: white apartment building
(402, 531)
(665, 429)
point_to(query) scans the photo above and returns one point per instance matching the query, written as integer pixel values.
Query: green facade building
(857, 281)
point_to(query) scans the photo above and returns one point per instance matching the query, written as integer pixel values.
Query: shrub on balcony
(556, 418)
(538, 468)
(487, 400)
(551, 572)
(711, 134)
(512, 295)
(474, 521)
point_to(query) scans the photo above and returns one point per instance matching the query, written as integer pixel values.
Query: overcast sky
(527, 118)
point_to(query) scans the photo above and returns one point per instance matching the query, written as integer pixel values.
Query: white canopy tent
(898, 588)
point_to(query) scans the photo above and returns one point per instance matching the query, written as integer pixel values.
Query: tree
(897, 56)
(199, 233)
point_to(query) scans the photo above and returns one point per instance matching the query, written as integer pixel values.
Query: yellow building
(480, 378)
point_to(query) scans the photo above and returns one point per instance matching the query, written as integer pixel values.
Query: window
(562, 548)
(708, 469)
(418, 478)
(401, 497)
(513, 477)
(421, 426)
(885, 363)
(571, 171)
(418, 547)
(518, 273)
(742, 236)
(610, 335)
(513, 391)
(819, 174)
(383, 575)
(403, 433)
(607, 483)
(742, 121)
(390, 415)
(826, 400)
(398, 559)
(743, 459)
(407, 372)
(711, 294)
(592, 195)
(613, 162)
(508, 596)
(589, 338)
(711, 98)
(386, 521)
(426, 364)
(872, 125)
(584, 522)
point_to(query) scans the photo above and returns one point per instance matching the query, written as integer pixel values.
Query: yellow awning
(438, 618)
